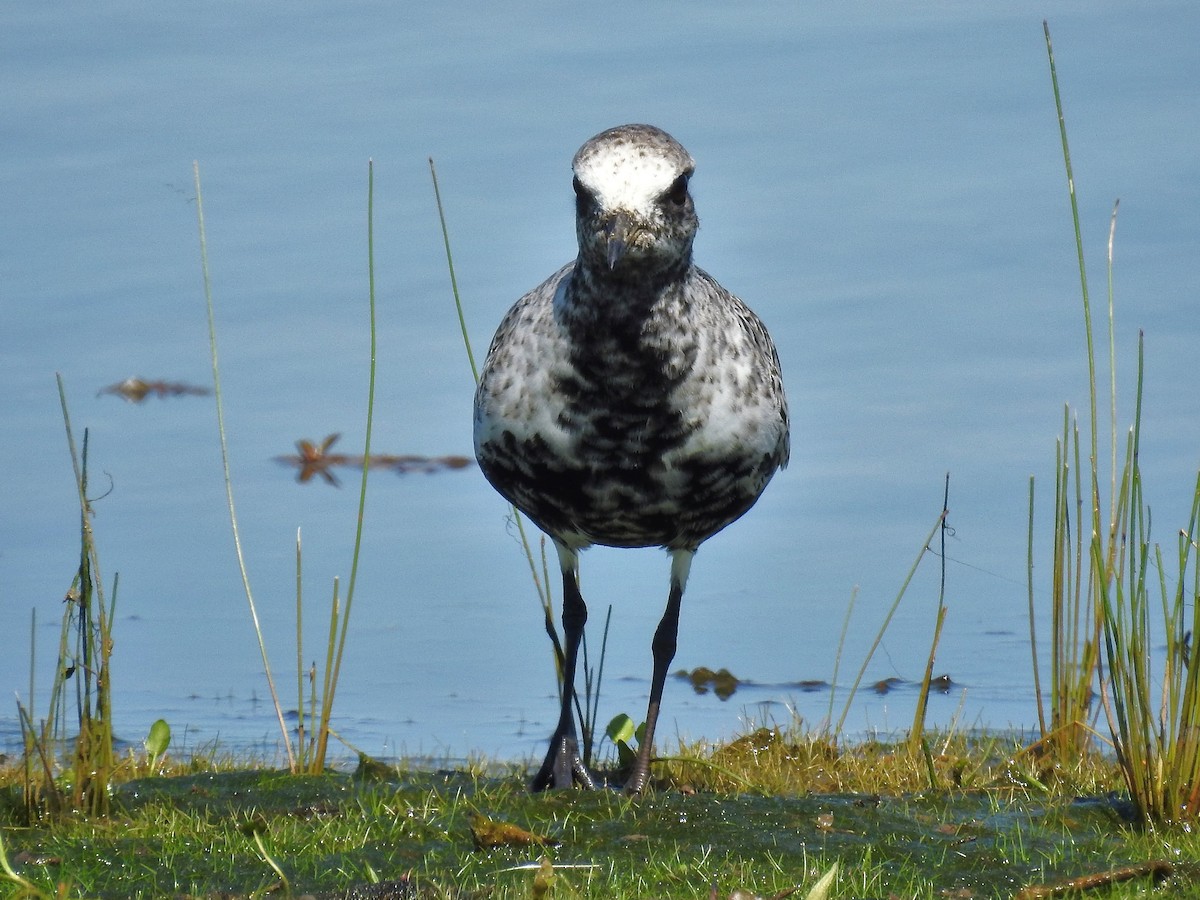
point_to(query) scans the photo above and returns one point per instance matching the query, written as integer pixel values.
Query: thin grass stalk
(462, 318)
(1187, 737)
(1126, 626)
(99, 753)
(1114, 638)
(887, 621)
(1157, 743)
(1118, 689)
(543, 593)
(332, 682)
(542, 589)
(1087, 610)
(80, 469)
(29, 791)
(93, 752)
(589, 710)
(547, 606)
(337, 632)
(916, 734)
(55, 725)
(1081, 600)
(837, 662)
(313, 715)
(1087, 312)
(1079, 627)
(1170, 687)
(42, 793)
(237, 538)
(1073, 636)
(1037, 680)
(1151, 729)
(1112, 355)
(544, 598)
(1060, 575)
(301, 746)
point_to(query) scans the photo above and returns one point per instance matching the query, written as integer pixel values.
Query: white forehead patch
(630, 167)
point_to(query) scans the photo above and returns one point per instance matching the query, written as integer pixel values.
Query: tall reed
(1154, 721)
(233, 521)
(84, 663)
(1074, 611)
(1104, 588)
(916, 736)
(311, 746)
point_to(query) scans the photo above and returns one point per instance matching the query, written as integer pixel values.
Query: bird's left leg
(664, 652)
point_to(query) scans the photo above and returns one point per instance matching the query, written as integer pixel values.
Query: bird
(629, 400)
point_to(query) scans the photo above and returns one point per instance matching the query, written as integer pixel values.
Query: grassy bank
(764, 814)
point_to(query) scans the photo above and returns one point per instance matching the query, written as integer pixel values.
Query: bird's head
(634, 215)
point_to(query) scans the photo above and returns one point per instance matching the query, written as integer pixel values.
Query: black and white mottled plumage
(629, 400)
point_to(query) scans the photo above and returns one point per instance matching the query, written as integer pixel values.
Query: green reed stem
(542, 588)
(331, 678)
(1087, 311)
(1037, 681)
(237, 538)
(301, 730)
(462, 318)
(887, 620)
(916, 735)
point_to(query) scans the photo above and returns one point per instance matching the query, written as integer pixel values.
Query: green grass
(994, 825)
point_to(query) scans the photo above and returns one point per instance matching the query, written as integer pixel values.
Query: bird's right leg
(664, 651)
(563, 765)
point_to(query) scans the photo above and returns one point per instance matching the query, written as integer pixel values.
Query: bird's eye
(678, 191)
(583, 197)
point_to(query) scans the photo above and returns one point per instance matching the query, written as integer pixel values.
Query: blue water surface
(884, 184)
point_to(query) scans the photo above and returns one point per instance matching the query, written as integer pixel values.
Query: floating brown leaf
(488, 833)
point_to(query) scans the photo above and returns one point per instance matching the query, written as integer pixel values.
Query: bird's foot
(563, 767)
(635, 785)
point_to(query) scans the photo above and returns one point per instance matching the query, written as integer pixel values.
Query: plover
(629, 400)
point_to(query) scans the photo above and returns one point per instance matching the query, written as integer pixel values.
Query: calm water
(883, 185)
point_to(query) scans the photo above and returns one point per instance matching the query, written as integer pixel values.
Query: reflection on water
(883, 185)
(135, 390)
(315, 459)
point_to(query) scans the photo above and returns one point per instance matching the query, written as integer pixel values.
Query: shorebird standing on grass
(629, 400)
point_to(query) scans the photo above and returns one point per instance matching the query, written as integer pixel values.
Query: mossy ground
(762, 814)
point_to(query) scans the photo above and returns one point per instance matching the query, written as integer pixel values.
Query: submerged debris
(811, 685)
(135, 390)
(722, 682)
(941, 683)
(315, 459)
(1156, 869)
(885, 685)
(488, 833)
